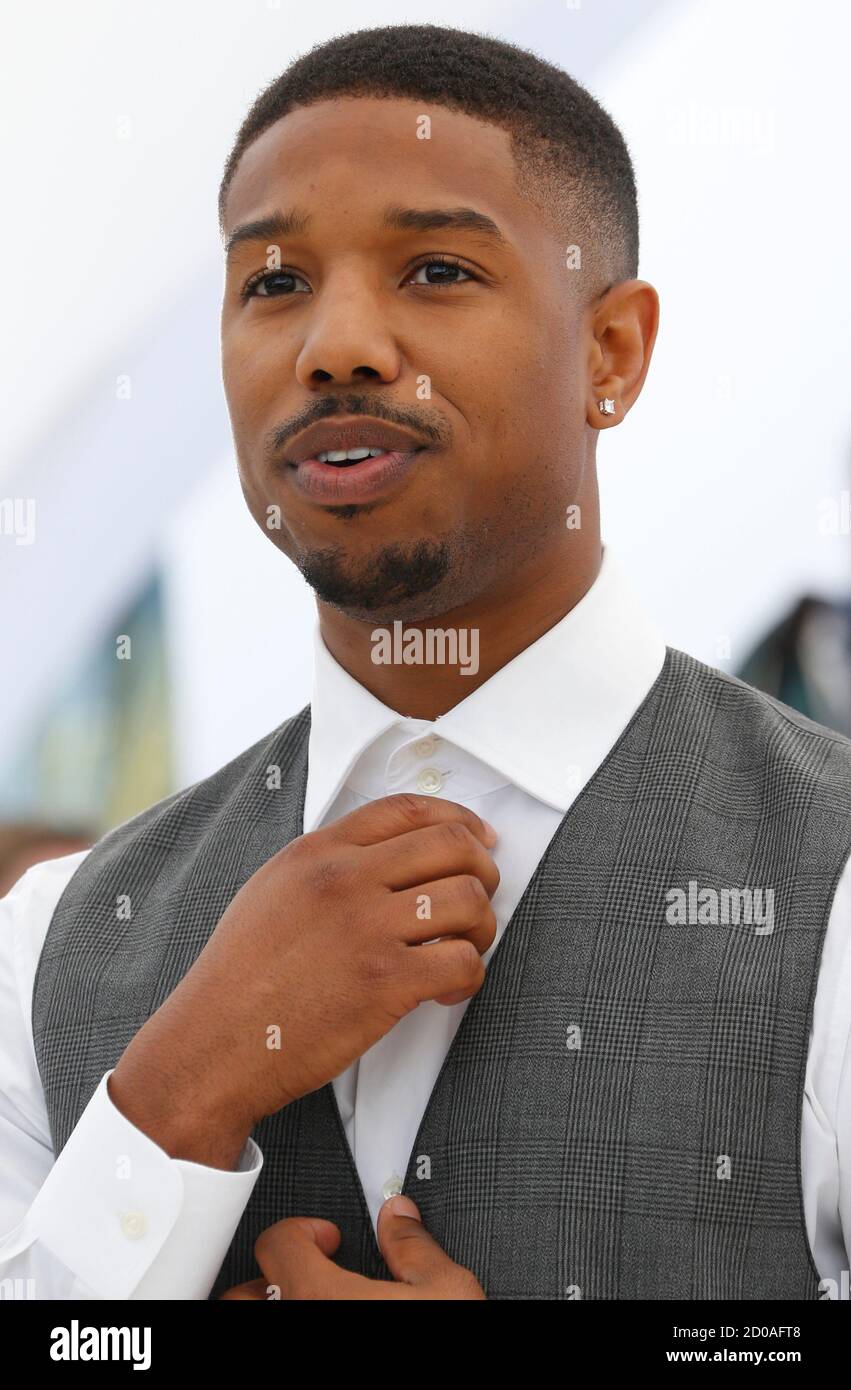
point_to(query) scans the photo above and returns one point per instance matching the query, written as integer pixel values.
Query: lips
(363, 481)
(349, 481)
(352, 432)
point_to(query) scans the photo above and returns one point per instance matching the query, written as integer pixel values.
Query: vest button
(429, 780)
(133, 1224)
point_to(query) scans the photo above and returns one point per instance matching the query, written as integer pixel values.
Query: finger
(411, 1254)
(457, 906)
(446, 971)
(295, 1255)
(401, 813)
(279, 1237)
(438, 851)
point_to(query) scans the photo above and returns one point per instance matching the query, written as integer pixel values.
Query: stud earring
(606, 406)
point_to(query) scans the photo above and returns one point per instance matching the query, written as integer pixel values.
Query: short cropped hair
(570, 157)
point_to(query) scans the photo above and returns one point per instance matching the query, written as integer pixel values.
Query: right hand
(325, 943)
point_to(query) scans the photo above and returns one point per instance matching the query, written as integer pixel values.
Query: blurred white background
(117, 119)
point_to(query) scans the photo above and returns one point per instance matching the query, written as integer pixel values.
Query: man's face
(482, 362)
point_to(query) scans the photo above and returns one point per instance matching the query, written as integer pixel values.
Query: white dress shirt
(517, 750)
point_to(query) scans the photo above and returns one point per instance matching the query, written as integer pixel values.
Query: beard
(385, 586)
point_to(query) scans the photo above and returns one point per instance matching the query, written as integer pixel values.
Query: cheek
(251, 377)
(249, 416)
(233, 381)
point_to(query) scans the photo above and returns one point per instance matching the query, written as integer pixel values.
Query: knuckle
(472, 822)
(472, 893)
(411, 808)
(455, 835)
(377, 968)
(469, 960)
(325, 873)
(489, 922)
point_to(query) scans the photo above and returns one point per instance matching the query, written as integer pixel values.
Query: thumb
(411, 1254)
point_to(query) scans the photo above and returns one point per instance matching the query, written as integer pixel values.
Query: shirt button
(424, 747)
(392, 1187)
(429, 780)
(133, 1224)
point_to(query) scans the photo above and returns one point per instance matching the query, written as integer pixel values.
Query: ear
(621, 333)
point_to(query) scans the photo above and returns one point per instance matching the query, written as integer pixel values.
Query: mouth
(353, 475)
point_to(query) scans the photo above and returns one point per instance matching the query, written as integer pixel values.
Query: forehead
(369, 148)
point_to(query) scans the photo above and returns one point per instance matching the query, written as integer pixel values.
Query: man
(526, 917)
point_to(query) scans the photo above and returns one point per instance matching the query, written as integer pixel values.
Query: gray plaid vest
(619, 1114)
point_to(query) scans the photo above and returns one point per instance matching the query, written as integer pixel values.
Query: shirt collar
(545, 721)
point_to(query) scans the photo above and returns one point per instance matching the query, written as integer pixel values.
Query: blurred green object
(103, 750)
(805, 661)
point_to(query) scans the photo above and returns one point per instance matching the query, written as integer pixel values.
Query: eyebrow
(400, 219)
(282, 225)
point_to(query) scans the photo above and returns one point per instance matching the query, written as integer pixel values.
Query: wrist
(183, 1114)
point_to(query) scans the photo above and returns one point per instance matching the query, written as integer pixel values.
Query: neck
(499, 625)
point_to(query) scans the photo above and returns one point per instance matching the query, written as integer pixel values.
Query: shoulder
(185, 816)
(752, 721)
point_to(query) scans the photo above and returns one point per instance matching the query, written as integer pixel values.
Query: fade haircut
(570, 158)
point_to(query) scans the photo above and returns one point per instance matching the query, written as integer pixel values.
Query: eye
(271, 284)
(448, 269)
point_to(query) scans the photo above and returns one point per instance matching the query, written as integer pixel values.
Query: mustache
(432, 426)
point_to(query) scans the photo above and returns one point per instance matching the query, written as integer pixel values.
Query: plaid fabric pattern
(619, 1114)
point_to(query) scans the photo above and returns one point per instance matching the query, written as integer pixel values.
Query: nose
(348, 338)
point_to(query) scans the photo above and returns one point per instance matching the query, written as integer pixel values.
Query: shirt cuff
(129, 1221)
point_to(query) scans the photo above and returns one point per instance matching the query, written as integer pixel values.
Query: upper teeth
(342, 455)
